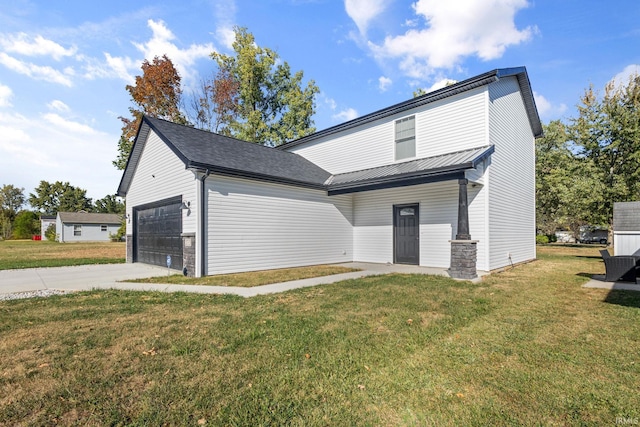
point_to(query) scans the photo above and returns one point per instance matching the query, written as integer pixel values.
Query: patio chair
(619, 267)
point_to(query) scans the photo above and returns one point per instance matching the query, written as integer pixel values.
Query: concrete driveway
(85, 277)
(109, 276)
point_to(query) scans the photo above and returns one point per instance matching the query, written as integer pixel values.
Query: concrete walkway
(111, 276)
(597, 281)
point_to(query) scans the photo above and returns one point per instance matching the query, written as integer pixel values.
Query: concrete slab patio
(597, 281)
(112, 276)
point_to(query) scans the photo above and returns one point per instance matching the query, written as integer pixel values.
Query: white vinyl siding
(626, 242)
(452, 124)
(162, 175)
(256, 225)
(511, 177)
(84, 232)
(373, 222)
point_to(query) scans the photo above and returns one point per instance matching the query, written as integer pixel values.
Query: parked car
(592, 234)
(565, 237)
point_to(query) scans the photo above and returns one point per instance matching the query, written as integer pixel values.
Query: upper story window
(405, 138)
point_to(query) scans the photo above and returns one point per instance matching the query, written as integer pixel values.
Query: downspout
(203, 211)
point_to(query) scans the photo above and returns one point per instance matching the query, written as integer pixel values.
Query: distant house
(626, 228)
(86, 227)
(444, 180)
(45, 222)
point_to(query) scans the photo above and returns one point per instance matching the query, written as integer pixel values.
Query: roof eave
(412, 178)
(236, 173)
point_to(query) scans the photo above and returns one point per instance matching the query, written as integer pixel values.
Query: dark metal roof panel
(446, 163)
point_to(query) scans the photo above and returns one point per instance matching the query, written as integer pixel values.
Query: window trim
(104, 227)
(397, 140)
(77, 230)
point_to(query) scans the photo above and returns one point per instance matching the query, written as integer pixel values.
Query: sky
(64, 65)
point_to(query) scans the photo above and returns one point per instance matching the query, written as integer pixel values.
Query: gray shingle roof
(89, 218)
(227, 156)
(626, 216)
(426, 168)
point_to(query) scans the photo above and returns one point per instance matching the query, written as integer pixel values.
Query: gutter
(203, 212)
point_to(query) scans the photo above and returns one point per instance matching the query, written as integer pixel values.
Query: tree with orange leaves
(156, 93)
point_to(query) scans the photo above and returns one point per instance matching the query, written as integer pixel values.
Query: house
(446, 179)
(626, 228)
(86, 227)
(45, 222)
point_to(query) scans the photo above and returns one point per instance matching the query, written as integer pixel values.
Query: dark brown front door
(406, 231)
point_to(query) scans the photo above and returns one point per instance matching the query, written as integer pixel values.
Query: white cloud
(24, 44)
(5, 96)
(363, 11)
(225, 12)
(546, 109)
(37, 72)
(68, 125)
(455, 29)
(346, 115)
(384, 83)
(53, 148)
(622, 78)
(58, 105)
(161, 43)
(440, 84)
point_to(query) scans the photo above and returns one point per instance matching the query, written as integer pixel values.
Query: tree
(584, 167)
(607, 133)
(553, 157)
(156, 93)
(50, 198)
(217, 103)
(255, 97)
(11, 200)
(26, 225)
(109, 204)
(565, 183)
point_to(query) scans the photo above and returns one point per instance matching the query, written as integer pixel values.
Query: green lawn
(528, 346)
(30, 254)
(253, 278)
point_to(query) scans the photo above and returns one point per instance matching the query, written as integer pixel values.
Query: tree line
(587, 163)
(46, 199)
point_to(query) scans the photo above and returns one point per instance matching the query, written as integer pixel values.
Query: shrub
(119, 235)
(542, 239)
(50, 232)
(26, 225)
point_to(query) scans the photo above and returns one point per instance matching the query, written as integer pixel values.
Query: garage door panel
(158, 234)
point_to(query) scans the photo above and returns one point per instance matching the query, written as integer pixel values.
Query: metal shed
(626, 228)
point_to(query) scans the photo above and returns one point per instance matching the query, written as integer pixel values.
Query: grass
(528, 346)
(254, 278)
(30, 254)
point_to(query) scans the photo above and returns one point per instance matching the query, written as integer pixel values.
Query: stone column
(464, 251)
(189, 254)
(463, 259)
